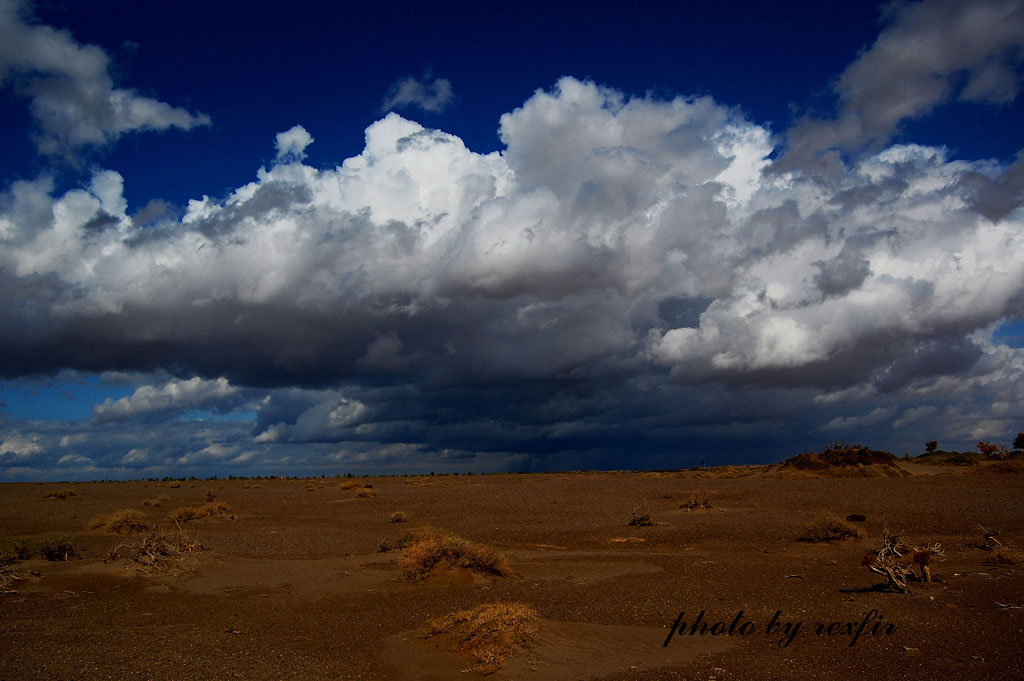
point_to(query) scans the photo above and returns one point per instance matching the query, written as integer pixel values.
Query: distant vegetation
(986, 451)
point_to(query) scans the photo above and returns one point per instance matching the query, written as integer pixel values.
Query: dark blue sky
(673, 234)
(327, 66)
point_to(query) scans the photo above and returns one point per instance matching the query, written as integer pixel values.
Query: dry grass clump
(491, 633)
(210, 510)
(156, 501)
(640, 516)
(829, 528)
(125, 521)
(348, 484)
(428, 547)
(398, 517)
(1006, 555)
(174, 485)
(366, 493)
(59, 494)
(158, 551)
(694, 503)
(720, 472)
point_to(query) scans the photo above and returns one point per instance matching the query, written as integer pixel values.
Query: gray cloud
(432, 96)
(74, 100)
(929, 53)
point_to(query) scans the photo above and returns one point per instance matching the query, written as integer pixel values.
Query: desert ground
(309, 579)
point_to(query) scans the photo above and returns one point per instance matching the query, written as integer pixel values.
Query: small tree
(1018, 442)
(987, 449)
(931, 446)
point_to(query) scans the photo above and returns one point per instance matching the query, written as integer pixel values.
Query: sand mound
(840, 461)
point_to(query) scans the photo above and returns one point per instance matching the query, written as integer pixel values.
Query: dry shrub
(158, 551)
(174, 485)
(348, 484)
(252, 486)
(57, 549)
(428, 547)
(491, 633)
(210, 496)
(125, 521)
(694, 503)
(398, 517)
(829, 528)
(59, 494)
(50, 548)
(640, 516)
(156, 501)
(366, 493)
(210, 510)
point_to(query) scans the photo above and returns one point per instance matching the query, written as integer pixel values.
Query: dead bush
(427, 547)
(125, 521)
(59, 494)
(490, 633)
(158, 551)
(640, 516)
(348, 484)
(829, 528)
(366, 493)
(156, 501)
(398, 517)
(891, 561)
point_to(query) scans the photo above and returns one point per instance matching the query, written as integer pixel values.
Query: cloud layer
(631, 279)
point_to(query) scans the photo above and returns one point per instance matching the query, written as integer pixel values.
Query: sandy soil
(294, 587)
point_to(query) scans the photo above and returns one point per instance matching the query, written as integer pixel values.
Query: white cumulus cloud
(174, 395)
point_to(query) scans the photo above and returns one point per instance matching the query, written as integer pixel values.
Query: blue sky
(408, 238)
